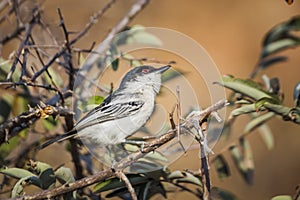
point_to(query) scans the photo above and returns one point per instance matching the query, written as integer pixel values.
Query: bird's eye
(145, 71)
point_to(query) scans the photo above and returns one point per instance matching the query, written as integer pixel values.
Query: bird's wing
(110, 110)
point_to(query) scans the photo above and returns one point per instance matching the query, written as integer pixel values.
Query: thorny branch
(121, 165)
(20, 122)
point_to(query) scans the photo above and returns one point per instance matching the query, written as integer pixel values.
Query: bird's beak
(162, 69)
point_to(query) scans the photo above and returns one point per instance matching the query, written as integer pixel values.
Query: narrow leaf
(16, 172)
(245, 109)
(266, 135)
(221, 166)
(246, 87)
(282, 197)
(256, 122)
(18, 187)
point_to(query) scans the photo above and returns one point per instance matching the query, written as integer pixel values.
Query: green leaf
(286, 112)
(266, 135)
(185, 177)
(246, 87)
(5, 149)
(245, 109)
(46, 174)
(18, 187)
(56, 78)
(16, 172)
(49, 123)
(133, 62)
(95, 100)
(138, 35)
(281, 31)
(221, 166)
(64, 175)
(114, 183)
(282, 197)
(280, 45)
(175, 175)
(256, 122)
(261, 102)
(243, 160)
(19, 105)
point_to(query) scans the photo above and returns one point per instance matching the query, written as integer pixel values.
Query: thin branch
(124, 178)
(29, 28)
(135, 9)
(78, 36)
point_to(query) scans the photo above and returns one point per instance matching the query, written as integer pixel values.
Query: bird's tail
(59, 138)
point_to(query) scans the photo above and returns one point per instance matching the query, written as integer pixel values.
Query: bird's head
(144, 76)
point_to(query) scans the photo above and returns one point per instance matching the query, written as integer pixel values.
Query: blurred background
(231, 31)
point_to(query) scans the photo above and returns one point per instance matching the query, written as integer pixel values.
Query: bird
(122, 113)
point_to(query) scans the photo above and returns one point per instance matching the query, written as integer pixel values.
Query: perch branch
(119, 166)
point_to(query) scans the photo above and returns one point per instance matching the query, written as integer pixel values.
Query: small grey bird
(123, 112)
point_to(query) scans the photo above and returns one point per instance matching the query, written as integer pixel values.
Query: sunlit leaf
(221, 166)
(16, 172)
(246, 87)
(280, 31)
(257, 121)
(279, 45)
(19, 105)
(187, 177)
(65, 176)
(280, 37)
(139, 35)
(266, 135)
(19, 186)
(282, 197)
(245, 109)
(5, 149)
(55, 77)
(95, 100)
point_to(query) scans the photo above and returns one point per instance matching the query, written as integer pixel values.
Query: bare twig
(124, 178)
(78, 36)
(29, 28)
(135, 9)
